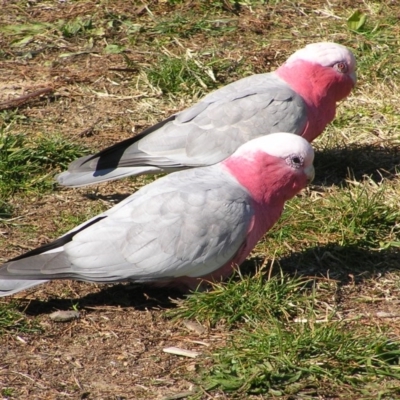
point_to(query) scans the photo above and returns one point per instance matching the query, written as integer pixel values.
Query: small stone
(194, 326)
(64, 316)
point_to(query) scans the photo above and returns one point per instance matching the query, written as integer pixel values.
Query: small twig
(23, 99)
(181, 352)
(35, 382)
(88, 131)
(383, 314)
(178, 396)
(124, 69)
(21, 246)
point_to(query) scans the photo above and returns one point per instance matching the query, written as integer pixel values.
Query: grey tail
(105, 165)
(84, 178)
(24, 271)
(12, 286)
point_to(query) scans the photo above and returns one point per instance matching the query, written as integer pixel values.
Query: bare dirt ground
(115, 349)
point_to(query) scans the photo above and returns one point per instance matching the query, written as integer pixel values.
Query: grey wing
(214, 128)
(202, 135)
(186, 224)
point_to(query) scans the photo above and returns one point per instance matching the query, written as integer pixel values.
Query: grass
(308, 328)
(361, 213)
(6, 392)
(287, 339)
(189, 73)
(11, 319)
(173, 75)
(68, 220)
(244, 299)
(28, 164)
(304, 359)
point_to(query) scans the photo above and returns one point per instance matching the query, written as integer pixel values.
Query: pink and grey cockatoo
(197, 223)
(299, 97)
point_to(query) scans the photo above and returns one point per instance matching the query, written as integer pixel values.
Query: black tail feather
(56, 243)
(118, 149)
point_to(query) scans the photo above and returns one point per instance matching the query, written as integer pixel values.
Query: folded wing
(202, 135)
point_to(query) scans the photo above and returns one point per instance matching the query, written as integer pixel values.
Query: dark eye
(341, 67)
(295, 161)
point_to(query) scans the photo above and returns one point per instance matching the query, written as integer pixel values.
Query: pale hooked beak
(353, 77)
(310, 172)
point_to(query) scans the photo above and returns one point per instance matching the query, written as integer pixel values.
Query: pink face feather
(321, 84)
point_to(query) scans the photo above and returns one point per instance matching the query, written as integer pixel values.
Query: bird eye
(341, 67)
(295, 161)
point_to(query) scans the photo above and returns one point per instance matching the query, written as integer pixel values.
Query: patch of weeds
(376, 55)
(236, 5)
(13, 320)
(286, 358)
(114, 49)
(187, 26)
(26, 30)
(130, 28)
(79, 27)
(6, 209)
(11, 116)
(67, 221)
(29, 164)
(356, 21)
(120, 23)
(7, 392)
(371, 26)
(24, 34)
(183, 74)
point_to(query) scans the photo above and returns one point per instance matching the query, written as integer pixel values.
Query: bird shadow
(123, 295)
(109, 198)
(345, 264)
(334, 166)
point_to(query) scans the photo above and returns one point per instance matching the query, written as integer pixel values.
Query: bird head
(275, 166)
(331, 56)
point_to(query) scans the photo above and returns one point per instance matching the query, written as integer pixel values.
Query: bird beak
(310, 172)
(353, 77)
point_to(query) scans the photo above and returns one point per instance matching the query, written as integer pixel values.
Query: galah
(184, 228)
(299, 97)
